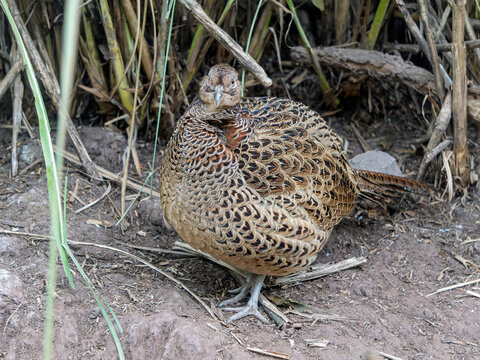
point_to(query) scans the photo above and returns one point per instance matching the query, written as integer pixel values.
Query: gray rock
(151, 211)
(378, 161)
(10, 285)
(30, 151)
(10, 245)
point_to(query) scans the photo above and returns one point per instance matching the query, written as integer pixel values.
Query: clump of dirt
(411, 254)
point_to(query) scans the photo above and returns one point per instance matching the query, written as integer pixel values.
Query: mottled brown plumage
(258, 182)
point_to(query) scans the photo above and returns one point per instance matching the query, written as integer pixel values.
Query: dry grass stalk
(116, 58)
(17, 98)
(441, 124)
(429, 156)
(459, 93)
(274, 312)
(432, 51)
(446, 157)
(110, 175)
(472, 36)
(131, 16)
(412, 26)
(50, 83)
(342, 19)
(321, 317)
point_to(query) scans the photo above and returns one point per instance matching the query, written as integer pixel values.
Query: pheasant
(258, 182)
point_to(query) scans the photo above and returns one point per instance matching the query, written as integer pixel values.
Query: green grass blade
(250, 33)
(53, 189)
(53, 171)
(377, 23)
(69, 56)
(115, 337)
(63, 254)
(44, 128)
(170, 13)
(263, 36)
(316, 66)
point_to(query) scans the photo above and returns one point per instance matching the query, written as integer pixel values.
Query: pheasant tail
(373, 182)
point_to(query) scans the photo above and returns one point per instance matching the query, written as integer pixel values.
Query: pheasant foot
(253, 284)
(240, 291)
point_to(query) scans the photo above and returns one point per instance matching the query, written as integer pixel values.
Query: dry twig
(412, 26)
(11, 75)
(227, 41)
(320, 271)
(456, 286)
(274, 354)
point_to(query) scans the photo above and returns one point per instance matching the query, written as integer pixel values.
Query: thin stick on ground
(473, 293)
(456, 286)
(11, 315)
(322, 317)
(437, 150)
(388, 356)
(273, 354)
(107, 191)
(320, 271)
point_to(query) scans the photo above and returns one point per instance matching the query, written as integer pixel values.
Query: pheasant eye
(234, 84)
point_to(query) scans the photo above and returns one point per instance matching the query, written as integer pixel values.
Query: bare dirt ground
(410, 255)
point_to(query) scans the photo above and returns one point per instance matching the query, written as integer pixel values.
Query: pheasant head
(220, 89)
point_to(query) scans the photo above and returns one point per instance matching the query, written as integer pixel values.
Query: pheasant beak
(217, 97)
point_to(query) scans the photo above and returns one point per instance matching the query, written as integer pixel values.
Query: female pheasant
(258, 182)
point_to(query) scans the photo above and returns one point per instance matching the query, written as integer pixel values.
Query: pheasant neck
(199, 110)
